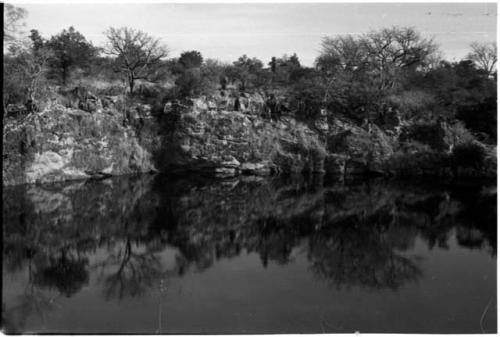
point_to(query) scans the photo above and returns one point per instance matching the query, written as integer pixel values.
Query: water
(153, 254)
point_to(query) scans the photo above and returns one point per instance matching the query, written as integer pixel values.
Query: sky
(225, 31)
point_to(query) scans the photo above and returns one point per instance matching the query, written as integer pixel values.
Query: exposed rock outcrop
(232, 142)
(222, 136)
(65, 144)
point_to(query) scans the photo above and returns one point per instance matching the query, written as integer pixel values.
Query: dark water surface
(154, 254)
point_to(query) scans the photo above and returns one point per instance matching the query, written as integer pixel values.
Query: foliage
(358, 72)
(413, 103)
(469, 155)
(196, 77)
(190, 59)
(358, 76)
(284, 69)
(462, 92)
(248, 72)
(71, 51)
(189, 83)
(25, 71)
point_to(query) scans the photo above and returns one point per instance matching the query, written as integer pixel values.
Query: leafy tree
(190, 82)
(138, 54)
(36, 39)
(213, 74)
(191, 59)
(272, 64)
(283, 68)
(71, 50)
(461, 91)
(248, 71)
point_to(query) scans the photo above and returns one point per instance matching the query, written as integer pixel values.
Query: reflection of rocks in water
(354, 235)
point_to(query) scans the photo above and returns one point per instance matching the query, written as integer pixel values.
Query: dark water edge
(186, 254)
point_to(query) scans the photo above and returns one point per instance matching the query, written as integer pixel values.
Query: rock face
(65, 144)
(364, 151)
(221, 136)
(231, 142)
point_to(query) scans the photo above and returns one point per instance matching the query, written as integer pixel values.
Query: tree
(36, 39)
(346, 80)
(283, 68)
(392, 52)
(13, 23)
(137, 54)
(359, 72)
(189, 82)
(342, 53)
(484, 55)
(248, 71)
(25, 72)
(191, 59)
(71, 50)
(272, 64)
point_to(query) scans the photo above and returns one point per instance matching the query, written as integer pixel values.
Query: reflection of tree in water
(46, 272)
(475, 227)
(134, 272)
(66, 273)
(358, 252)
(354, 235)
(33, 301)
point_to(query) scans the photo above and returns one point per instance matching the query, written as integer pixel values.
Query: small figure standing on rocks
(367, 125)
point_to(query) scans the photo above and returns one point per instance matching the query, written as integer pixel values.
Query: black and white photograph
(249, 167)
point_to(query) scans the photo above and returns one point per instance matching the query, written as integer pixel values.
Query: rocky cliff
(67, 144)
(218, 136)
(227, 143)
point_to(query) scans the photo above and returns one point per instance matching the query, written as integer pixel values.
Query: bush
(457, 133)
(469, 155)
(413, 104)
(100, 86)
(423, 163)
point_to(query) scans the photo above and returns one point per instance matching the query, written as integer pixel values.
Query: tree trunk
(131, 85)
(64, 74)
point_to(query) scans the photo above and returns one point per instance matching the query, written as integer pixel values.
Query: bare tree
(391, 50)
(25, 72)
(137, 54)
(13, 17)
(13, 23)
(484, 56)
(346, 52)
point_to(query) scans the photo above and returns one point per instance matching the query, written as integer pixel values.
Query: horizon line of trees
(357, 76)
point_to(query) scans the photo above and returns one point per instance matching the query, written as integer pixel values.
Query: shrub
(457, 133)
(469, 155)
(423, 163)
(414, 103)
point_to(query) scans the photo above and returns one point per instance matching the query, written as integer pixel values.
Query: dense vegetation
(362, 77)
